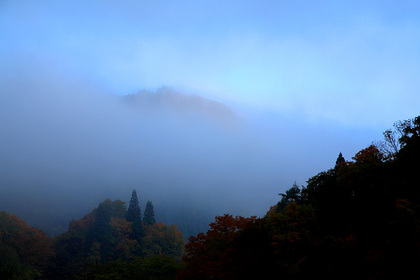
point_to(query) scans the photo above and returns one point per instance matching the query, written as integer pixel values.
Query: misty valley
(196, 198)
(195, 140)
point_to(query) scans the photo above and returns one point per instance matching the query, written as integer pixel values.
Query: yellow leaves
(162, 239)
(125, 249)
(122, 227)
(94, 256)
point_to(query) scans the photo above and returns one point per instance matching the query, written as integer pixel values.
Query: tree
(162, 239)
(292, 194)
(340, 160)
(360, 218)
(25, 252)
(134, 216)
(398, 137)
(210, 255)
(370, 155)
(119, 210)
(407, 161)
(160, 267)
(102, 237)
(411, 131)
(149, 214)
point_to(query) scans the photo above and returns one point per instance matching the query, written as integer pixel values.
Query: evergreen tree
(102, 230)
(340, 160)
(292, 194)
(134, 216)
(149, 214)
(119, 210)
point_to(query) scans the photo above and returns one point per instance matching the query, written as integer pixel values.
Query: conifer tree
(340, 160)
(134, 216)
(149, 214)
(101, 232)
(292, 194)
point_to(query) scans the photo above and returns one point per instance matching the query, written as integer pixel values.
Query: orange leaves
(125, 249)
(32, 245)
(122, 228)
(227, 225)
(210, 254)
(370, 155)
(82, 225)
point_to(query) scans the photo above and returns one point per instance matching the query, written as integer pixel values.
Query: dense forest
(358, 220)
(111, 232)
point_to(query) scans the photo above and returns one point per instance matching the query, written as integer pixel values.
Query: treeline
(358, 220)
(110, 236)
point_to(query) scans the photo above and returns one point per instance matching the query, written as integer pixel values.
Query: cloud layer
(66, 146)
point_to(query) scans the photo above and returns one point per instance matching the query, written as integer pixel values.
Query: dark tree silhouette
(134, 216)
(149, 214)
(340, 160)
(102, 229)
(292, 194)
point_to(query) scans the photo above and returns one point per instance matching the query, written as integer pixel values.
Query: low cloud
(67, 146)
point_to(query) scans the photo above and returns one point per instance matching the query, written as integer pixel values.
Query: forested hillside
(110, 232)
(358, 220)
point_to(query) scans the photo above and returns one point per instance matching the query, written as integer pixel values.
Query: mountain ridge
(181, 103)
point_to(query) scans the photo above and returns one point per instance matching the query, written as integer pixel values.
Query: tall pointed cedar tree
(149, 214)
(340, 160)
(134, 216)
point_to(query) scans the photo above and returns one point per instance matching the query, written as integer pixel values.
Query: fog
(67, 145)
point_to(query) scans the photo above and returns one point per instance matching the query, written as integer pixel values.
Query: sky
(304, 81)
(353, 62)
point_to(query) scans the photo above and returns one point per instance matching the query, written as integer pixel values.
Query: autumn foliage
(358, 220)
(105, 235)
(100, 237)
(211, 254)
(25, 251)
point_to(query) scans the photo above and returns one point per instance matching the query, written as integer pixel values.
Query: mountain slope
(181, 103)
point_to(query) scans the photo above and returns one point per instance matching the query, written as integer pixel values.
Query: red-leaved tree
(210, 255)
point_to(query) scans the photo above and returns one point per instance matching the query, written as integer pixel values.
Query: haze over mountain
(66, 146)
(168, 99)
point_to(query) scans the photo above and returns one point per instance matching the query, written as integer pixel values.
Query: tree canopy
(134, 216)
(149, 214)
(358, 220)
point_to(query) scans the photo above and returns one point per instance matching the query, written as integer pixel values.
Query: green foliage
(134, 216)
(92, 244)
(118, 209)
(149, 214)
(163, 239)
(157, 267)
(102, 241)
(340, 160)
(11, 268)
(292, 194)
(105, 235)
(25, 251)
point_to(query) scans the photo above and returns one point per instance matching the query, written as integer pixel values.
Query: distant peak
(166, 98)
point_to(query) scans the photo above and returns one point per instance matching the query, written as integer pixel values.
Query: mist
(67, 145)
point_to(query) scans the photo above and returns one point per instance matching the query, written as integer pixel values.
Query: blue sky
(355, 63)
